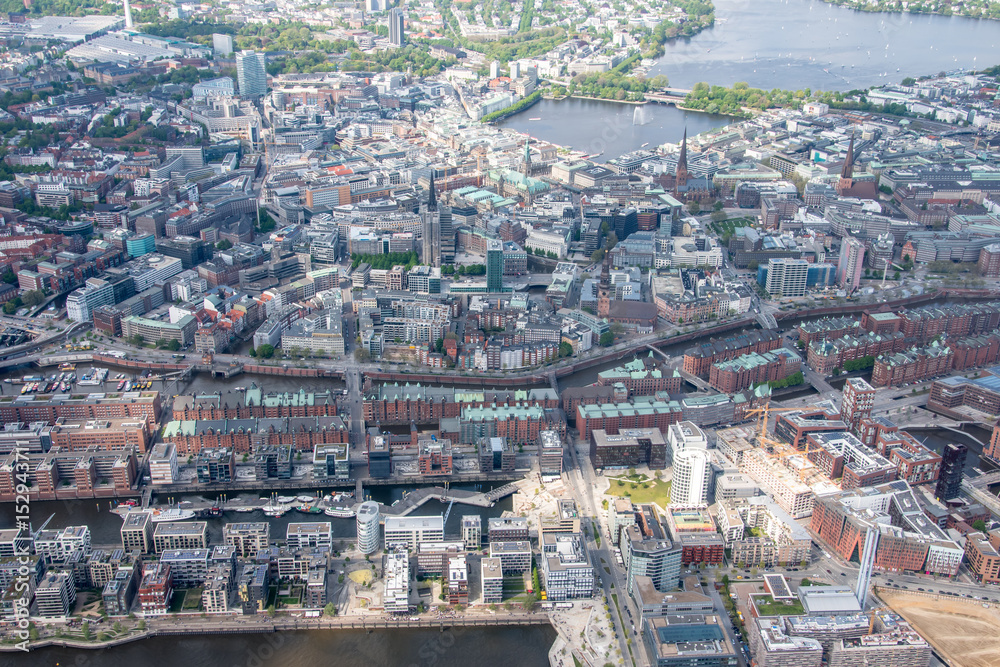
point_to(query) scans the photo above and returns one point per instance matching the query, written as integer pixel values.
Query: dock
(418, 498)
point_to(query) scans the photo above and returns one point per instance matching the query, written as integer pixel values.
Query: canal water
(483, 647)
(105, 526)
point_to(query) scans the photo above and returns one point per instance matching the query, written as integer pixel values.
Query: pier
(417, 498)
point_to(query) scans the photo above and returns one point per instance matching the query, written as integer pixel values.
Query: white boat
(340, 512)
(243, 509)
(305, 499)
(534, 119)
(275, 510)
(172, 514)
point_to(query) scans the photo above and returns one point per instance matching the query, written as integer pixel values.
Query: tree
(10, 277)
(85, 629)
(719, 216)
(597, 256)
(718, 205)
(607, 339)
(224, 244)
(439, 345)
(330, 610)
(271, 611)
(265, 351)
(565, 349)
(529, 601)
(361, 354)
(979, 525)
(32, 298)
(694, 207)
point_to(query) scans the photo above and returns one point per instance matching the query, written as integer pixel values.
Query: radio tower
(867, 563)
(128, 14)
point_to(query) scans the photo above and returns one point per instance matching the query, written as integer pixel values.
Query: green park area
(640, 489)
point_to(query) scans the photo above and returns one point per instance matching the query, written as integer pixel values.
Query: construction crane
(871, 617)
(763, 440)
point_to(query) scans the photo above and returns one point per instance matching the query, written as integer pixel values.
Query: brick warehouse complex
(914, 365)
(826, 355)
(403, 404)
(256, 404)
(246, 435)
(754, 368)
(909, 541)
(48, 408)
(642, 412)
(698, 360)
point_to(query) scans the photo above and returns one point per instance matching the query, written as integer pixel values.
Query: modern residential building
(55, 595)
(315, 535)
(689, 640)
(857, 402)
(368, 528)
(180, 535)
(566, 567)
(396, 595)
(507, 529)
(515, 556)
(691, 477)
(494, 265)
(457, 580)
(137, 532)
(949, 482)
(491, 576)
(247, 538)
(472, 532)
(407, 532)
(252, 588)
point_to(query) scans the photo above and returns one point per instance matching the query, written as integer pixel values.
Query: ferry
(309, 509)
(340, 512)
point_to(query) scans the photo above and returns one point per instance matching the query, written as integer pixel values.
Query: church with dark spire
(863, 187)
(687, 187)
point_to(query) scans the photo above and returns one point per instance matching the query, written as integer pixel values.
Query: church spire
(527, 158)
(848, 170)
(682, 163)
(432, 199)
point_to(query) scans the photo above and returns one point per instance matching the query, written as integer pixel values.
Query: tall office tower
(787, 277)
(251, 74)
(446, 236)
(396, 36)
(494, 265)
(851, 264)
(949, 482)
(372, 6)
(222, 44)
(128, 14)
(431, 229)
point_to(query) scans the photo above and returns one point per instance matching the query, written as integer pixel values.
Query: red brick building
(639, 413)
(49, 408)
(915, 365)
(698, 360)
(751, 369)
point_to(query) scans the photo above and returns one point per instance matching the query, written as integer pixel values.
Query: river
(789, 44)
(344, 648)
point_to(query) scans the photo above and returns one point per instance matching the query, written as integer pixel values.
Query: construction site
(966, 633)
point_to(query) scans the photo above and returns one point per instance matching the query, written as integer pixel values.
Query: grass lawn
(767, 606)
(658, 492)
(192, 600)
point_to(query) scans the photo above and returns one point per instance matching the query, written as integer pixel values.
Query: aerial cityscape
(653, 333)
